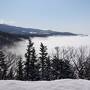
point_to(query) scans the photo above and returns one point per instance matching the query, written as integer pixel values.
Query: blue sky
(59, 15)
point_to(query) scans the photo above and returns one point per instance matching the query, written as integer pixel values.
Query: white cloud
(10, 22)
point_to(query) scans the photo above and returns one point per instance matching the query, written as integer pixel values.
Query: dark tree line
(66, 63)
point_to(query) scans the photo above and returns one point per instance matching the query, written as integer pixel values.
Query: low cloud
(10, 22)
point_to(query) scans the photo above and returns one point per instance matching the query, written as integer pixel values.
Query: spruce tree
(67, 70)
(28, 57)
(48, 74)
(19, 75)
(31, 64)
(62, 69)
(85, 72)
(56, 68)
(43, 58)
(34, 67)
(10, 75)
(3, 66)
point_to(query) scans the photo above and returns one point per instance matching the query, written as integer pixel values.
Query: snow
(33, 32)
(65, 84)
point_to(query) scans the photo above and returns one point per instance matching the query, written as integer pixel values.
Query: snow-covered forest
(66, 69)
(66, 63)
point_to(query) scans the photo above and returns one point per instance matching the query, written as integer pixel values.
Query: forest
(65, 63)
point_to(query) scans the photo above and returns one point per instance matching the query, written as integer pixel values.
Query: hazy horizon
(58, 15)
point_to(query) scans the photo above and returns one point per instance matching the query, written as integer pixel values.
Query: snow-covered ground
(45, 85)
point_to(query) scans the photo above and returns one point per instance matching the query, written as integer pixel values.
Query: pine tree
(28, 57)
(48, 69)
(67, 70)
(43, 58)
(31, 64)
(85, 71)
(62, 69)
(3, 66)
(56, 68)
(10, 75)
(19, 75)
(34, 67)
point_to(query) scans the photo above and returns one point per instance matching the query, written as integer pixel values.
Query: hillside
(7, 39)
(10, 34)
(45, 85)
(31, 31)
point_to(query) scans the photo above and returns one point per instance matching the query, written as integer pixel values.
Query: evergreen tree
(48, 69)
(10, 75)
(3, 66)
(43, 58)
(62, 69)
(56, 68)
(67, 70)
(31, 65)
(34, 67)
(19, 75)
(85, 72)
(28, 57)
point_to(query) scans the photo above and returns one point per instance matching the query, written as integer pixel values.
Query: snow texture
(65, 84)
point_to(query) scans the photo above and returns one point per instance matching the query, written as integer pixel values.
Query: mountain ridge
(31, 31)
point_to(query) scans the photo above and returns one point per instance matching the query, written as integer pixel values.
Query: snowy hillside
(46, 85)
(31, 31)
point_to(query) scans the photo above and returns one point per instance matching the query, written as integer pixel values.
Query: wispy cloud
(10, 22)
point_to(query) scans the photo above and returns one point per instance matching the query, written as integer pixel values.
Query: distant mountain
(26, 32)
(7, 39)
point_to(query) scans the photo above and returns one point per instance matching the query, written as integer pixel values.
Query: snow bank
(66, 84)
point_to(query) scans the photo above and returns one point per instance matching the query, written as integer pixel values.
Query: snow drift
(66, 84)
